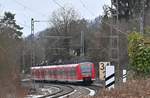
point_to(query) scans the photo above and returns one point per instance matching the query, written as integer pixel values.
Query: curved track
(53, 93)
(65, 90)
(45, 91)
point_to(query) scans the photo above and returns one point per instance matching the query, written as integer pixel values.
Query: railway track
(68, 90)
(47, 91)
(65, 91)
(53, 93)
(95, 88)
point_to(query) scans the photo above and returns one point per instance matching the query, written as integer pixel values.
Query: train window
(69, 71)
(52, 71)
(72, 72)
(49, 72)
(86, 67)
(62, 71)
(58, 72)
(65, 72)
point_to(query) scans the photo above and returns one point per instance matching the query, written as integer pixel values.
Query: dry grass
(131, 89)
(9, 79)
(9, 69)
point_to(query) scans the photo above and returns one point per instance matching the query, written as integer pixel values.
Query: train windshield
(86, 68)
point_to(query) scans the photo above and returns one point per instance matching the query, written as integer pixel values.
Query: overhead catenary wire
(103, 21)
(58, 4)
(30, 9)
(86, 7)
(1, 9)
(23, 24)
(2, 6)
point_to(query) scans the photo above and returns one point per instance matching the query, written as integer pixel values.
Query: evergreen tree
(9, 22)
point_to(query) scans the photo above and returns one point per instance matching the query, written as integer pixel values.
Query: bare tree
(62, 19)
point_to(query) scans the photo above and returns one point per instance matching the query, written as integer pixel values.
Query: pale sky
(42, 10)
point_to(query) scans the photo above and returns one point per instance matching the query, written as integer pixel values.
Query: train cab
(87, 71)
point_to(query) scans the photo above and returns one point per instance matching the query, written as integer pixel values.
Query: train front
(87, 72)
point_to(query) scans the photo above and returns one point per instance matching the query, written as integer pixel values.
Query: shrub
(139, 54)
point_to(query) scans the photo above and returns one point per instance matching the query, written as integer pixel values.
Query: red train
(80, 72)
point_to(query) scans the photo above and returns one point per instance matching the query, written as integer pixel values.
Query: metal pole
(142, 17)
(114, 41)
(82, 44)
(118, 63)
(32, 47)
(23, 60)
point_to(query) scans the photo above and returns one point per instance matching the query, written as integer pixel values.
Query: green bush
(139, 54)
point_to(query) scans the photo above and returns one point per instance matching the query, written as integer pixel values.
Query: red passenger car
(80, 72)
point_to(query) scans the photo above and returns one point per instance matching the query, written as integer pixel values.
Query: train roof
(55, 66)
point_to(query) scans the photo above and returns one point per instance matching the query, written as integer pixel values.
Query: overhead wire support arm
(63, 37)
(41, 21)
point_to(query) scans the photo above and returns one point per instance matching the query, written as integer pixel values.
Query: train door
(55, 73)
(37, 74)
(46, 74)
(72, 73)
(78, 73)
(61, 72)
(49, 74)
(58, 73)
(65, 73)
(40, 73)
(52, 74)
(69, 73)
